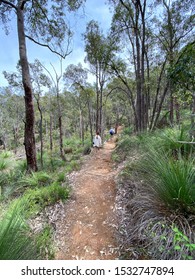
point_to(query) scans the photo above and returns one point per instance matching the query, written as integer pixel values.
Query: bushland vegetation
(158, 187)
(143, 72)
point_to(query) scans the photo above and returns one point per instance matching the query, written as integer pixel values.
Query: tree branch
(47, 46)
(8, 3)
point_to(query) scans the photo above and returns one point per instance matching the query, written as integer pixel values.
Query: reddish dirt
(89, 225)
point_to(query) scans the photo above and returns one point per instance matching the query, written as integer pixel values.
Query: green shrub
(167, 242)
(127, 131)
(86, 149)
(182, 244)
(6, 154)
(74, 165)
(55, 163)
(21, 166)
(38, 199)
(61, 177)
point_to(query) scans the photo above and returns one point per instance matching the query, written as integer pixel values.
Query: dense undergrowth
(158, 186)
(24, 196)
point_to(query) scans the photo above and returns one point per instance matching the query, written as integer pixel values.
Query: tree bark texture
(29, 135)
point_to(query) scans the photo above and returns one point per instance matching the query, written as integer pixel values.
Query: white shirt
(97, 141)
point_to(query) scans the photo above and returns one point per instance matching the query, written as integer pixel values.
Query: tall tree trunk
(138, 70)
(160, 105)
(101, 106)
(81, 126)
(15, 132)
(192, 129)
(29, 135)
(97, 102)
(90, 119)
(154, 110)
(61, 138)
(144, 100)
(177, 110)
(171, 106)
(51, 132)
(138, 88)
(40, 130)
(60, 126)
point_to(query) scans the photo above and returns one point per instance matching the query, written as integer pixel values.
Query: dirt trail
(89, 225)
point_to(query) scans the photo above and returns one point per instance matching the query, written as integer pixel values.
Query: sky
(9, 56)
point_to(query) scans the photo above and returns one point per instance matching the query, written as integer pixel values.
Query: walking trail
(89, 225)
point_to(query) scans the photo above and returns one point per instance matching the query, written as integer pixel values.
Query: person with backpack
(111, 131)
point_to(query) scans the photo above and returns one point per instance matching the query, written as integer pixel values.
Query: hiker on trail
(111, 131)
(97, 141)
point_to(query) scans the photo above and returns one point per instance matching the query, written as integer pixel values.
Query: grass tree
(15, 240)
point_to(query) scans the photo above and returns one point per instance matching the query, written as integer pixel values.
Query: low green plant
(125, 146)
(54, 163)
(15, 240)
(127, 131)
(44, 243)
(10, 182)
(182, 244)
(6, 162)
(167, 242)
(86, 149)
(21, 166)
(36, 179)
(116, 157)
(5, 154)
(61, 177)
(74, 165)
(39, 198)
(3, 164)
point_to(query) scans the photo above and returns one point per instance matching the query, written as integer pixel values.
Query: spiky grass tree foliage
(171, 181)
(36, 179)
(15, 240)
(10, 182)
(175, 142)
(125, 146)
(164, 200)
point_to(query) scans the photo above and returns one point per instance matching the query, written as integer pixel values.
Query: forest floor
(88, 227)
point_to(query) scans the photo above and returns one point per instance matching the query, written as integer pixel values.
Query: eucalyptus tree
(124, 82)
(15, 93)
(43, 22)
(182, 76)
(120, 96)
(129, 25)
(100, 50)
(174, 27)
(40, 81)
(76, 77)
(11, 118)
(183, 71)
(57, 90)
